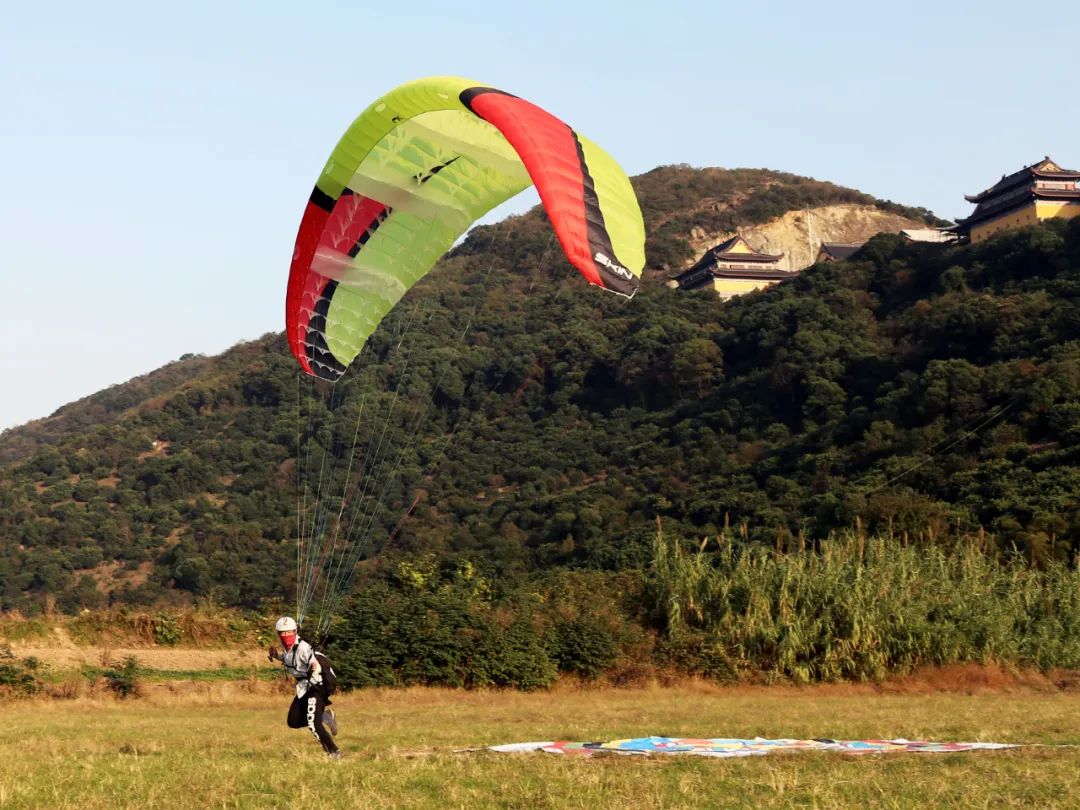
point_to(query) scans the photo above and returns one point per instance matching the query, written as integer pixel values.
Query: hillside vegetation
(528, 422)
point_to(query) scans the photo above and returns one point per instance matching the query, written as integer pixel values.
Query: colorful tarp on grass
(734, 747)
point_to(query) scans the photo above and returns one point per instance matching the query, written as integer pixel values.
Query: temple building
(836, 251)
(1040, 191)
(732, 268)
(937, 235)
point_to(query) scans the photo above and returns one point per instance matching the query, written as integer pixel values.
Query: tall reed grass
(862, 607)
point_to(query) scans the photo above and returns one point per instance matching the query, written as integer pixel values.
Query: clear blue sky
(154, 164)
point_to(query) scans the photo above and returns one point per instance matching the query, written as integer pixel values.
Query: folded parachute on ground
(723, 747)
(411, 174)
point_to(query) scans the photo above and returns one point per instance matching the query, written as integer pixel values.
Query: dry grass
(203, 626)
(171, 658)
(225, 745)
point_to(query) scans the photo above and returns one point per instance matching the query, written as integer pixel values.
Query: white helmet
(286, 624)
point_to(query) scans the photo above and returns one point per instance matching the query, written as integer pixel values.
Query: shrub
(512, 656)
(123, 679)
(18, 676)
(167, 630)
(582, 646)
(404, 635)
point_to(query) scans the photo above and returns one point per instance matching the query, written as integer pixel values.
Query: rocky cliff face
(798, 235)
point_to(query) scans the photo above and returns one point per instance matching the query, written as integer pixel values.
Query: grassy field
(225, 745)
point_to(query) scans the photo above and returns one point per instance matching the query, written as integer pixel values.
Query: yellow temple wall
(1017, 219)
(1065, 210)
(1026, 216)
(730, 287)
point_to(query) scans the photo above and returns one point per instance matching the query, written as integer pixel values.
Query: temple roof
(928, 235)
(838, 250)
(996, 208)
(733, 273)
(752, 273)
(696, 277)
(736, 249)
(1044, 169)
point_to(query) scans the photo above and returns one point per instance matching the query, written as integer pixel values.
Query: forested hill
(104, 406)
(524, 420)
(675, 200)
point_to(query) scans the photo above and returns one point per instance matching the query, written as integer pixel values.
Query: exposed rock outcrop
(798, 236)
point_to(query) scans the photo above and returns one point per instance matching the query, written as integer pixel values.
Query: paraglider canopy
(411, 174)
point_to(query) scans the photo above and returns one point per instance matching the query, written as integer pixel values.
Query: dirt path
(177, 658)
